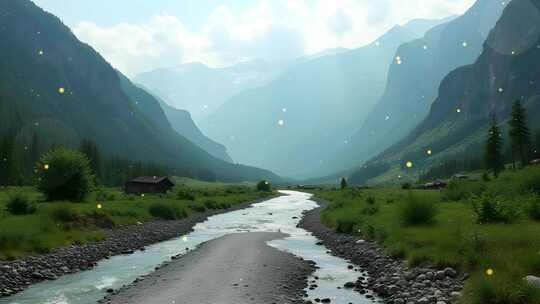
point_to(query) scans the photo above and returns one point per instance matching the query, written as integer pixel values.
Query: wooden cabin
(148, 184)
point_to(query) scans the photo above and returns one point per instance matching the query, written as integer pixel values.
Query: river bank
(388, 277)
(237, 268)
(15, 276)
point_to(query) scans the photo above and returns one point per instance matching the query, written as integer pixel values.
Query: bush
(490, 209)
(19, 204)
(63, 214)
(65, 174)
(184, 194)
(406, 186)
(345, 225)
(211, 204)
(370, 200)
(460, 190)
(104, 196)
(533, 208)
(264, 186)
(162, 211)
(197, 207)
(417, 210)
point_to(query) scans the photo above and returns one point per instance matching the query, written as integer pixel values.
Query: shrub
(162, 211)
(211, 204)
(197, 207)
(459, 190)
(417, 210)
(370, 210)
(104, 196)
(264, 186)
(490, 209)
(406, 186)
(533, 208)
(65, 174)
(345, 225)
(19, 204)
(63, 214)
(184, 194)
(370, 200)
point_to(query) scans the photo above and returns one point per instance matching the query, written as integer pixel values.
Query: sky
(136, 36)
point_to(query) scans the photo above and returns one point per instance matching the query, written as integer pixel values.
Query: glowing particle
(142, 194)
(464, 44)
(61, 90)
(205, 107)
(409, 164)
(41, 52)
(513, 52)
(184, 239)
(377, 43)
(281, 122)
(266, 182)
(429, 152)
(46, 167)
(425, 47)
(490, 272)
(99, 206)
(458, 110)
(501, 90)
(284, 110)
(387, 117)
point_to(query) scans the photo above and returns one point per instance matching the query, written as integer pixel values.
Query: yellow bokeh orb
(409, 164)
(490, 272)
(429, 152)
(46, 167)
(99, 206)
(61, 90)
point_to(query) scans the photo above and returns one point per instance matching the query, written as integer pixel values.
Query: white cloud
(272, 30)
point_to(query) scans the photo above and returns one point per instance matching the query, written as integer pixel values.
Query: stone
(533, 281)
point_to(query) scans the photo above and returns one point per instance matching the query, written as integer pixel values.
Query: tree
(519, 133)
(344, 183)
(91, 151)
(264, 186)
(493, 153)
(65, 174)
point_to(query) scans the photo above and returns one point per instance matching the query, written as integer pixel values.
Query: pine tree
(494, 146)
(91, 151)
(344, 183)
(519, 134)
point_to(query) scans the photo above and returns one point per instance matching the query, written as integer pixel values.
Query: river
(278, 214)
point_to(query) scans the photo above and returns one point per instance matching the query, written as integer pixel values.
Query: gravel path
(234, 269)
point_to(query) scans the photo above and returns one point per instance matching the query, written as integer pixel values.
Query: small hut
(148, 184)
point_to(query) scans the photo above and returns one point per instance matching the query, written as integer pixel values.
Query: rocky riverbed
(17, 275)
(237, 268)
(389, 278)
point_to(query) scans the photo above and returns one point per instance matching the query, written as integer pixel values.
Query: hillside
(414, 80)
(54, 85)
(305, 114)
(182, 123)
(200, 89)
(507, 69)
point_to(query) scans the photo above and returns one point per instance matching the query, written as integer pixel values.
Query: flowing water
(278, 214)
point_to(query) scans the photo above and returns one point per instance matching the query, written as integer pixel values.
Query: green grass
(57, 224)
(454, 237)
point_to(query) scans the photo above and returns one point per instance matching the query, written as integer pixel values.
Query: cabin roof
(150, 179)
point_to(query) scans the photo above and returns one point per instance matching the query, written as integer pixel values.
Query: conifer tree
(344, 183)
(519, 134)
(493, 153)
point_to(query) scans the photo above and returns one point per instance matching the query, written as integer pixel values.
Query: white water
(278, 214)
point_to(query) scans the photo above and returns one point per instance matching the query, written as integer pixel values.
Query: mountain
(54, 85)
(507, 70)
(199, 89)
(182, 122)
(414, 79)
(303, 115)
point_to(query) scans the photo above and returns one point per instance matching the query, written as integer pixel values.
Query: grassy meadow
(489, 229)
(50, 225)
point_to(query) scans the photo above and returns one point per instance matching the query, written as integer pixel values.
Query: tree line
(18, 163)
